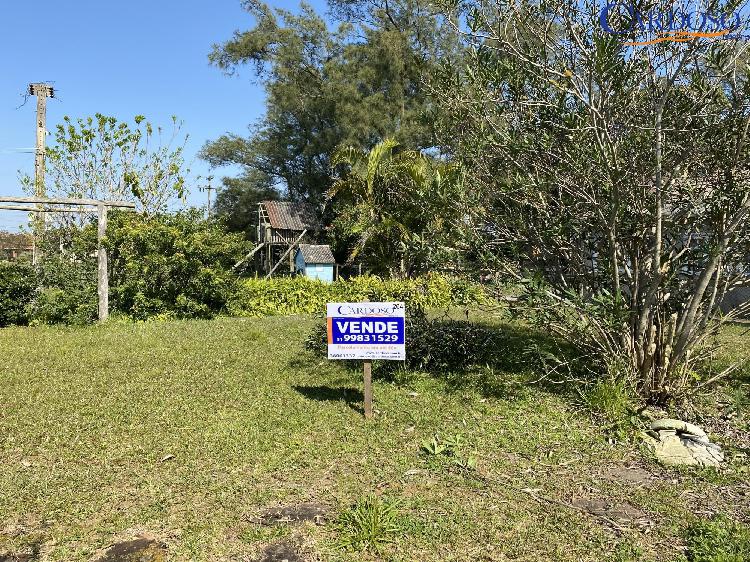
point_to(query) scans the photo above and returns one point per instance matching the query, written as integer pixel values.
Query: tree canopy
(399, 211)
(101, 157)
(353, 85)
(237, 201)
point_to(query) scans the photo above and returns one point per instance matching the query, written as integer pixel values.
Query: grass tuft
(371, 524)
(609, 399)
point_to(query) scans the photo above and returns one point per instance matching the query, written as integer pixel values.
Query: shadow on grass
(351, 396)
(497, 360)
(504, 361)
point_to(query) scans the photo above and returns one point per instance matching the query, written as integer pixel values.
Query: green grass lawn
(186, 431)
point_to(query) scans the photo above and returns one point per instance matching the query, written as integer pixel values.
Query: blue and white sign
(366, 330)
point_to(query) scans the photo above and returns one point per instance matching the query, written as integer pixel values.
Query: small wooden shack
(315, 261)
(282, 226)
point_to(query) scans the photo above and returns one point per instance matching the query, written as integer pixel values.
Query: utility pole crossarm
(32, 209)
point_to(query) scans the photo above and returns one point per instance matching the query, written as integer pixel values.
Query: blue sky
(121, 59)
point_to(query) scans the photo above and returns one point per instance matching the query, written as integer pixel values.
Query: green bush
(17, 290)
(60, 306)
(300, 295)
(608, 398)
(179, 265)
(612, 401)
(718, 540)
(450, 345)
(69, 293)
(171, 265)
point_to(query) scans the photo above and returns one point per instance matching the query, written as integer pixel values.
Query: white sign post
(366, 330)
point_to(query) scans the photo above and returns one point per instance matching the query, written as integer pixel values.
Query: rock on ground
(676, 442)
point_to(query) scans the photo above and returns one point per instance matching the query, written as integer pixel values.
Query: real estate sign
(366, 330)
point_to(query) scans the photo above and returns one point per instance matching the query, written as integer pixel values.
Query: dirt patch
(18, 557)
(280, 552)
(136, 550)
(732, 499)
(629, 475)
(22, 541)
(617, 513)
(293, 515)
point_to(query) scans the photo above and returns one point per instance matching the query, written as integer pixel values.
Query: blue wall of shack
(321, 271)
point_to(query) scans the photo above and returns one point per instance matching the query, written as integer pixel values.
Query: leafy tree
(101, 157)
(354, 85)
(617, 173)
(400, 212)
(237, 201)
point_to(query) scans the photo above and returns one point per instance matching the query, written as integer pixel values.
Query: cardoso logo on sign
(676, 23)
(367, 309)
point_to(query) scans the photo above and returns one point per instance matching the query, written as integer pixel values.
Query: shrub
(68, 279)
(450, 345)
(612, 401)
(299, 295)
(436, 344)
(60, 306)
(718, 540)
(609, 399)
(172, 264)
(17, 290)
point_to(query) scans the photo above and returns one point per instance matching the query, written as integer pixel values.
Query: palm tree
(393, 205)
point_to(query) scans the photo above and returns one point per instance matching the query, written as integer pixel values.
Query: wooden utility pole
(42, 92)
(102, 276)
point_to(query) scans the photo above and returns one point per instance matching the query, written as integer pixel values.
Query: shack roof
(317, 253)
(286, 215)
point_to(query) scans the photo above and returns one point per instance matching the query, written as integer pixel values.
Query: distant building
(315, 261)
(14, 245)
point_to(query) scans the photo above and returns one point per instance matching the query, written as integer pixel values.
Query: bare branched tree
(614, 154)
(101, 157)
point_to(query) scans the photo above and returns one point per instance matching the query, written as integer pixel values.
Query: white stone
(678, 426)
